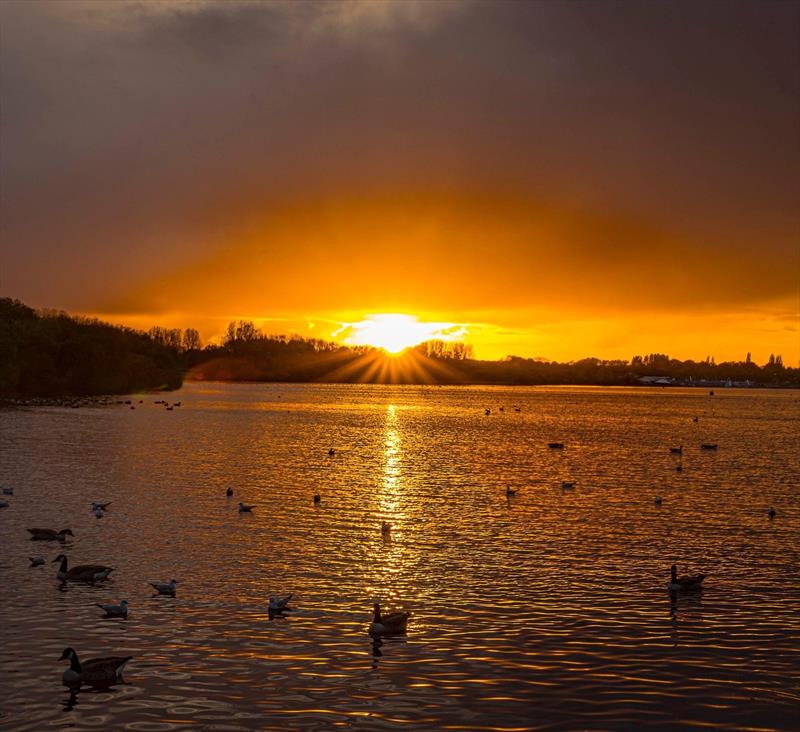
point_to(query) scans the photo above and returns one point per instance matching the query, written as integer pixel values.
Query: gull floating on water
(115, 611)
(164, 588)
(93, 670)
(246, 508)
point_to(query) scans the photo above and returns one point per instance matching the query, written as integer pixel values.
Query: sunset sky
(554, 179)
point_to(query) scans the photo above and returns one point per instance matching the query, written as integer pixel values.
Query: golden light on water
(394, 332)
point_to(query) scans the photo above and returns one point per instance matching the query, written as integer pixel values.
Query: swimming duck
(567, 485)
(317, 498)
(687, 582)
(229, 492)
(772, 513)
(164, 588)
(37, 561)
(676, 450)
(556, 445)
(83, 572)
(278, 604)
(708, 446)
(49, 534)
(246, 508)
(94, 670)
(391, 624)
(115, 611)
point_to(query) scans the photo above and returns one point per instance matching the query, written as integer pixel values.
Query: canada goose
(49, 534)
(510, 492)
(676, 450)
(278, 604)
(687, 582)
(246, 508)
(115, 611)
(556, 445)
(391, 624)
(37, 561)
(708, 446)
(164, 588)
(83, 572)
(772, 513)
(229, 492)
(317, 498)
(94, 670)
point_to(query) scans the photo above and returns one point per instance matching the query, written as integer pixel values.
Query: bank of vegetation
(44, 354)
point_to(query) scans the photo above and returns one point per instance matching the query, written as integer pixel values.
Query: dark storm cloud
(145, 143)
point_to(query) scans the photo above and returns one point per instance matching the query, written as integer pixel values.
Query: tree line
(49, 353)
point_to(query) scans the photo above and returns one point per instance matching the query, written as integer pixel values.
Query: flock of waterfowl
(107, 670)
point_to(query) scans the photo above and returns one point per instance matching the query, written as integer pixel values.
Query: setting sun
(394, 332)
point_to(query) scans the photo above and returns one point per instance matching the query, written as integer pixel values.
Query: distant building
(656, 380)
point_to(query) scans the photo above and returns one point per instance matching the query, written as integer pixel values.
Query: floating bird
(169, 409)
(246, 508)
(101, 506)
(676, 450)
(708, 446)
(229, 492)
(386, 527)
(658, 500)
(391, 624)
(37, 561)
(679, 468)
(164, 588)
(695, 419)
(556, 445)
(8, 491)
(176, 404)
(279, 604)
(115, 611)
(687, 582)
(772, 513)
(510, 492)
(317, 498)
(83, 572)
(94, 670)
(4, 504)
(331, 452)
(487, 412)
(49, 534)
(502, 409)
(567, 485)
(517, 409)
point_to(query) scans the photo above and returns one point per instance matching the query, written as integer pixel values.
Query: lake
(544, 611)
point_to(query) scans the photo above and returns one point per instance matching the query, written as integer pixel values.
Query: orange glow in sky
(394, 332)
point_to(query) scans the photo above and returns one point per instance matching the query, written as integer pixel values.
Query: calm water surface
(545, 611)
